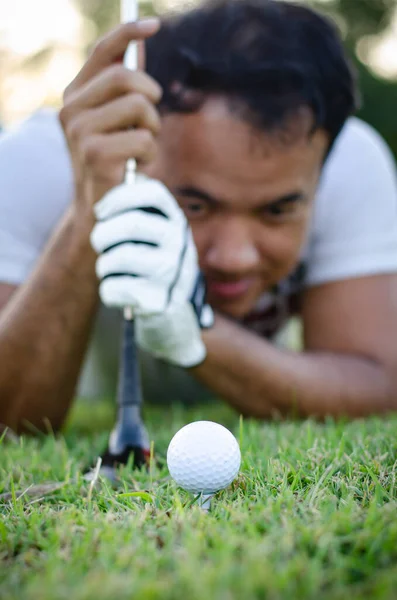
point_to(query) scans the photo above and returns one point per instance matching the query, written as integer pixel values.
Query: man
(243, 118)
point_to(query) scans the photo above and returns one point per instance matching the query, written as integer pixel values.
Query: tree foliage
(106, 14)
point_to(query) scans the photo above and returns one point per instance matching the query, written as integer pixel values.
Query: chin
(237, 309)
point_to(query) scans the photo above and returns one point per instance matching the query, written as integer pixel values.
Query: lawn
(312, 515)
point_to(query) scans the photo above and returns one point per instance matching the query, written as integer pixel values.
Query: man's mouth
(229, 290)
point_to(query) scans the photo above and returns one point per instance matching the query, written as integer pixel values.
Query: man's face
(248, 198)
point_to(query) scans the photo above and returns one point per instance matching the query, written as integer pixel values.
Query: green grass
(312, 515)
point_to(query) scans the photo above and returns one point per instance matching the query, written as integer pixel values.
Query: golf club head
(140, 458)
(129, 437)
(111, 461)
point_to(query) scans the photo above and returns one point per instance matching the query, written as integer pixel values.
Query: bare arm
(349, 366)
(44, 330)
(108, 117)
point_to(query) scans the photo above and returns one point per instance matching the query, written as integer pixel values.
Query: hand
(147, 257)
(148, 260)
(175, 334)
(109, 115)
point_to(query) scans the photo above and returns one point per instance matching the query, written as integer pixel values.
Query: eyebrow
(287, 199)
(192, 192)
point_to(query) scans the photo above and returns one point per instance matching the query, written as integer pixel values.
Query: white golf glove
(175, 334)
(148, 261)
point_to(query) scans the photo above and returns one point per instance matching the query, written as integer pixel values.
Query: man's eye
(278, 210)
(194, 208)
(275, 210)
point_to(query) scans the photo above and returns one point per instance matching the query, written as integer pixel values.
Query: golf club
(128, 437)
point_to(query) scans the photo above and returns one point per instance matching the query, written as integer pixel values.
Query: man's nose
(232, 248)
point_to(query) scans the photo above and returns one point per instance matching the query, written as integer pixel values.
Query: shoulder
(35, 171)
(355, 133)
(354, 226)
(36, 188)
(39, 137)
(359, 155)
(359, 177)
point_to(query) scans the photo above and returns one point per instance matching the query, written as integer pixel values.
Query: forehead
(222, 154)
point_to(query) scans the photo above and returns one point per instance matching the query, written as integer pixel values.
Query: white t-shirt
(353, 231)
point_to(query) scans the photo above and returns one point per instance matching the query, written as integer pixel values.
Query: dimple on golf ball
(203, 457)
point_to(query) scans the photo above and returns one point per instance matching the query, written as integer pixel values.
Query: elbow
(8, 413)
(39, 426)
(378, 400)
(21, 414)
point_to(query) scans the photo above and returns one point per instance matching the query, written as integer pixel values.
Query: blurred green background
(362, 24)
(41, 52)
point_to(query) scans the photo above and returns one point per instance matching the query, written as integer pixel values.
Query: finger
(126, 112)
(129, 258)
(135, 259)
(144, 296)
(113, 82)
(133, 226)
(144, 192)
(101, 150)
(141, 260)
(141, 55)
(109, 49)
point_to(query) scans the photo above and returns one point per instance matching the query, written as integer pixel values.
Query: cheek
(280, 247)
(202, 237)
(151, 170)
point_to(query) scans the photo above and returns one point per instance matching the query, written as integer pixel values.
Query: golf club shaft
(129, 436)
(129, 12)
(129, 430)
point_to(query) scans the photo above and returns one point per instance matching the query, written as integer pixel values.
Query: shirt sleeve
(36, 187)
(354, 229)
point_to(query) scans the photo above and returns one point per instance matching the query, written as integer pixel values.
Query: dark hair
(268, 58)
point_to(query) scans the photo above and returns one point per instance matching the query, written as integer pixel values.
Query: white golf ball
(203, 457)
